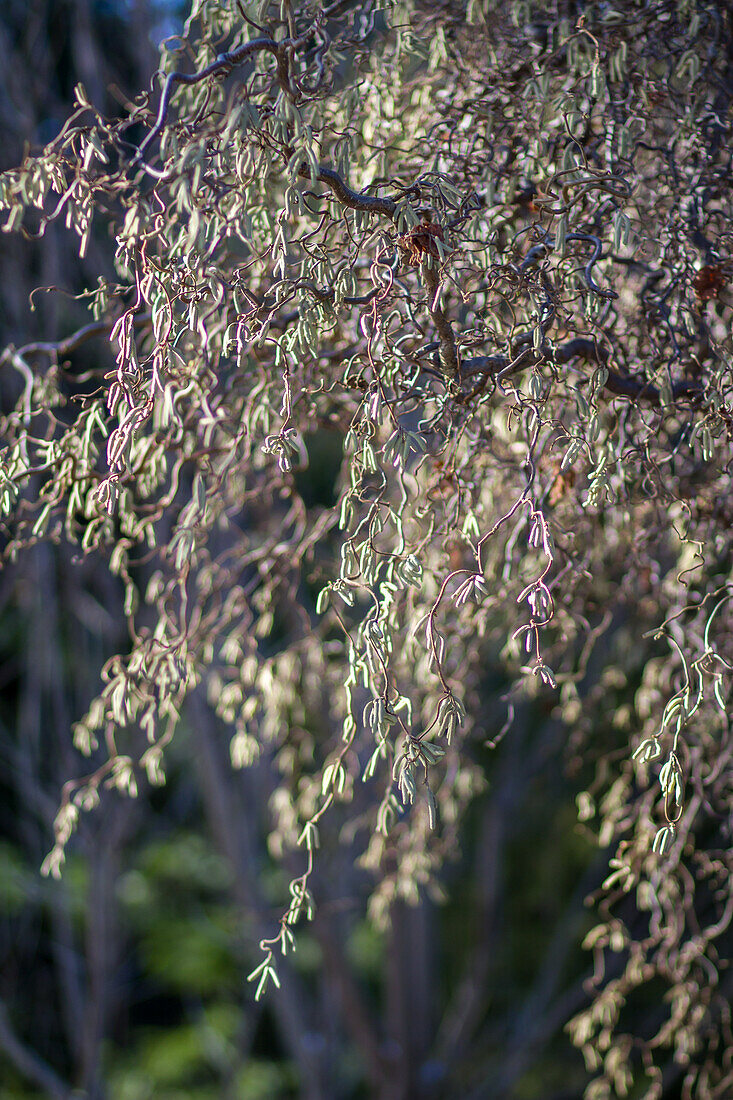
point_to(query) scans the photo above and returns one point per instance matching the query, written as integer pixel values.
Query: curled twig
(224, 63)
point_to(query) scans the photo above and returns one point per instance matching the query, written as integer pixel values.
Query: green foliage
(14, 880)
(476, 259)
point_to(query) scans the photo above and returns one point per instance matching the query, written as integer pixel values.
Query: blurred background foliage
(125, 980)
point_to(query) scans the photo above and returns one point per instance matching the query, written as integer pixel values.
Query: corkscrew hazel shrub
(487, 248)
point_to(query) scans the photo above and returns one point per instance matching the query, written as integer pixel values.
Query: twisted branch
(631, 386)
(225, 62)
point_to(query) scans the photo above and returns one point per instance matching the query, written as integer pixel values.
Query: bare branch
(28, 1063)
